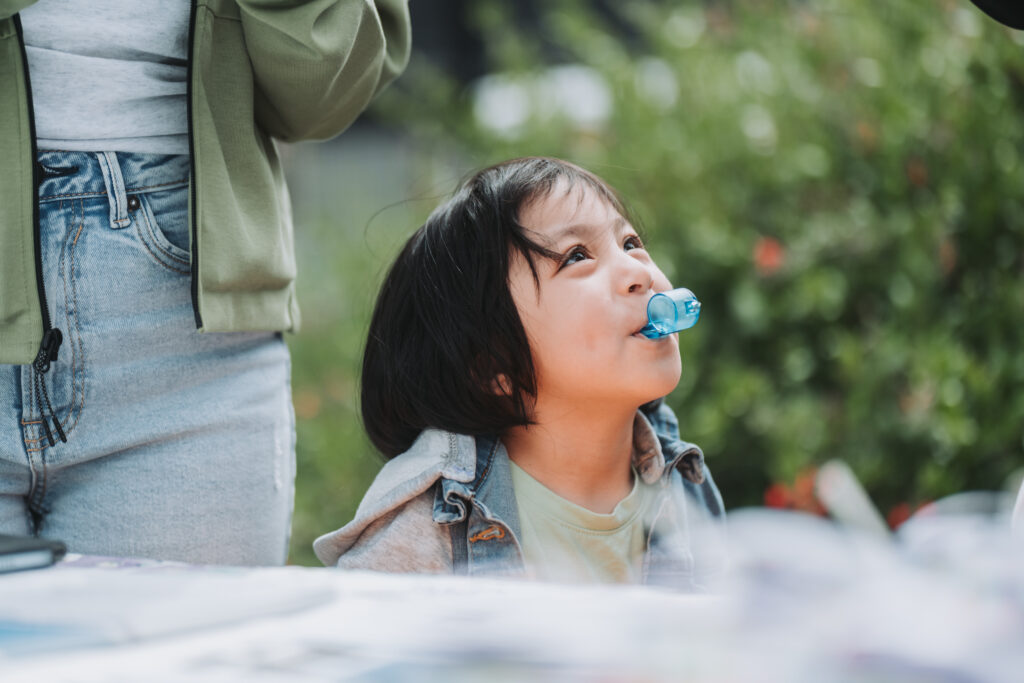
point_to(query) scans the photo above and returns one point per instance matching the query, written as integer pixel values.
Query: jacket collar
(435, 455)
(656, 452)
(657, 449)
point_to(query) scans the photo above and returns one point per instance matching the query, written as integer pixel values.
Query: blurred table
(95, 619)
(809, 602)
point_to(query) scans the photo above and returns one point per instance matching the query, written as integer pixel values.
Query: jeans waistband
(66, 175)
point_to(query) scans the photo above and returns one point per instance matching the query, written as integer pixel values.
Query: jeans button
(133, 202)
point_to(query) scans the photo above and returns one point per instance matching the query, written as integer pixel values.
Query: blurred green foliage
(352, 212)
(840, 182)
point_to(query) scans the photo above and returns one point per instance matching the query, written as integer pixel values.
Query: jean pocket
(162, 225)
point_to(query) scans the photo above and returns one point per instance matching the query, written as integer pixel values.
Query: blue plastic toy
(670, 312)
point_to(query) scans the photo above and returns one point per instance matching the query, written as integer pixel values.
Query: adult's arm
(318, 63)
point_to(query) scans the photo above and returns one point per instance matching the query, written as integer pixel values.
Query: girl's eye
(574, 255)
(632, 242)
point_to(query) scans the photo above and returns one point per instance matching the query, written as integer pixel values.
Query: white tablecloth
(806, 602)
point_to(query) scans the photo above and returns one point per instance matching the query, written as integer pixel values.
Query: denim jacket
(447, 506)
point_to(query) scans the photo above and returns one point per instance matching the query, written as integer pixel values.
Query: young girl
(506, 381)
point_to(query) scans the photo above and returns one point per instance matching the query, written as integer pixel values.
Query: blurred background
(839, 181)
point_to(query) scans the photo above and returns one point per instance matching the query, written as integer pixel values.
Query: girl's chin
(659, 388)
(668, 382)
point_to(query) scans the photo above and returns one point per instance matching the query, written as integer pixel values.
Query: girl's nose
(636, 276)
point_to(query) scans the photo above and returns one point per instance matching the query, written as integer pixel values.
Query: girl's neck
(583, 456)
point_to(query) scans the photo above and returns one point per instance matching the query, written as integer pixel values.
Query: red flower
(898, 514)
(768, 255)
(901, 512)
(800, 496)
(777, 496)
(805, 498)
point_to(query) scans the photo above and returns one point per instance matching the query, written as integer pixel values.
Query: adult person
(146, 260)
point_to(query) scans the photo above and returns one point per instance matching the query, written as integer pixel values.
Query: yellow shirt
(563, 541)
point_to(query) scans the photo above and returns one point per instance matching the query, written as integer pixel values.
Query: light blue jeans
(180, 445)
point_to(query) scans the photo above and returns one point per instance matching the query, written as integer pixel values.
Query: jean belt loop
(116, 194)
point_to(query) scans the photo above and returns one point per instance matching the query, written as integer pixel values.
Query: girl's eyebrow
(584, 230)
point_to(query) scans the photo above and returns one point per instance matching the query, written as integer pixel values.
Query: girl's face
(582, 321)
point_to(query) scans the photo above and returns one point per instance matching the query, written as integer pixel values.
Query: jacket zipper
(50, 344)
(192, 167)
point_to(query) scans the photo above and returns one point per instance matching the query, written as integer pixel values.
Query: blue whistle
(669, 312)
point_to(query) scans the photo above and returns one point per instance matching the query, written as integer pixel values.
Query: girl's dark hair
(445, 327)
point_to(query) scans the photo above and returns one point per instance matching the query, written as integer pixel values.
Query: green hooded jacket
(259, 71)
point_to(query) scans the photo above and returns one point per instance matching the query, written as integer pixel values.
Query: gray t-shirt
(109, 75)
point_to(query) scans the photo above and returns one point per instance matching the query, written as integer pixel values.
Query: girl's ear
(501, 385)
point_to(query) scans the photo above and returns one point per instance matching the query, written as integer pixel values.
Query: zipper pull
(48, 349)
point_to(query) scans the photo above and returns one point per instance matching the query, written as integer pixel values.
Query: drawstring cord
(52, 339)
